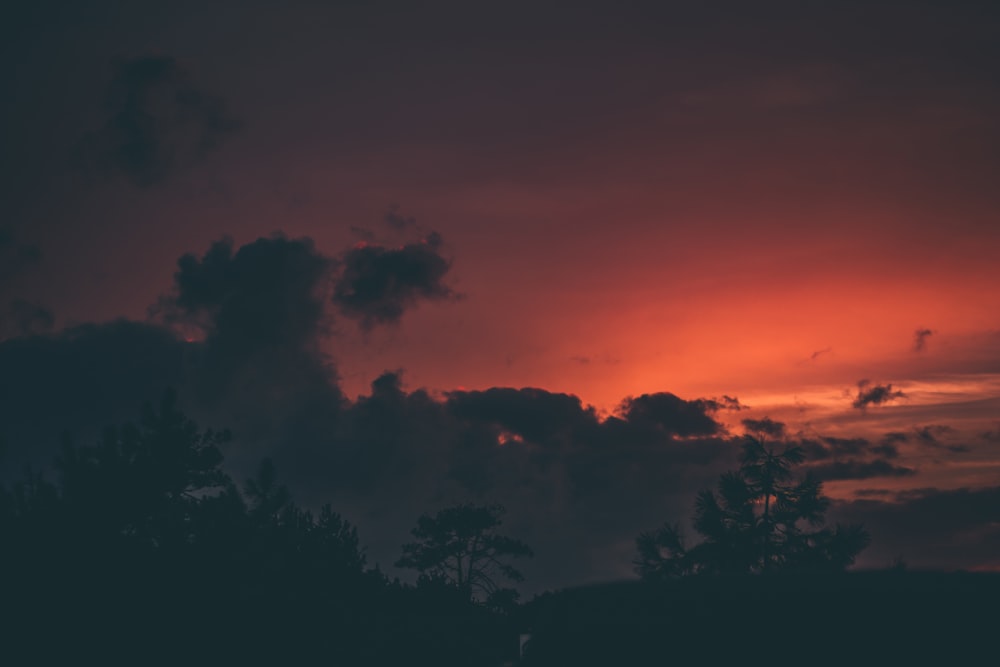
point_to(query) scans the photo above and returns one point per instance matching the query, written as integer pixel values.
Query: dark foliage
(759, 519)
(144, 551)
(458, 547)
(885, 617)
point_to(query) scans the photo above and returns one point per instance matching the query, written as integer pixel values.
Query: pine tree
(759, 519)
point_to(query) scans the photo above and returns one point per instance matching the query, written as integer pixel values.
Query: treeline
(141, 549)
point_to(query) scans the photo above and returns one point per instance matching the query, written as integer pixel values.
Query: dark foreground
(857, 618)
(888, 618)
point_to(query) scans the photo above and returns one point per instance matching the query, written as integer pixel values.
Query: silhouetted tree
(143, 481)
(759, 519)
(458, 546)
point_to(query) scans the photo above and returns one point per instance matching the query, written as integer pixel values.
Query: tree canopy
(459, 546)
(761, 518)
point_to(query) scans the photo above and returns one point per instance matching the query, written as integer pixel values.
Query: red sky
(761, 204)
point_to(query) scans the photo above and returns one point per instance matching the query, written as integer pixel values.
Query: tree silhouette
(458, 546)
(142, 540)
(759, 519)
(143, 481)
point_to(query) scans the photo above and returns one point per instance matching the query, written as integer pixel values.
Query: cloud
(269, 293)
(729, 403)
(378, 284)
(578, 485)
(765, 427)
(534, 414)
(674, 416)
(885, 450)
(818, 353)
(920, 337)
(930, 436)
(827, 447)
(929, 528)
(855, 469)
(257, 318)
(395, 220)
(158, 120)
(832, 447)
(869, 394)
(874, 493)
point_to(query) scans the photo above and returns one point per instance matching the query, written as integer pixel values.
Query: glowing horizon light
(505, 437)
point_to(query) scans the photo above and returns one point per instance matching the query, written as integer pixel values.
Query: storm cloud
(157, 120)
(377, 284)
(930, 528)
(855, 469)
(920, 337)
(875, 394)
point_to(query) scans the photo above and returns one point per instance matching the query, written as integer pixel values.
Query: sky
(529, 253)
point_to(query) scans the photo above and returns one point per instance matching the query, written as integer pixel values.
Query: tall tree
(458, 546)
(143, 481)
(759, 519)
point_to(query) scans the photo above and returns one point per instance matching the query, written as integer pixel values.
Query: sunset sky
(791, 204)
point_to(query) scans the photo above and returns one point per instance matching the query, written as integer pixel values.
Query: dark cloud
(258, 318)
(395, 220)
(932, 434)
(929, 528)
(730, 403)
(877, 394)
(765, 427)
(366, 235)
(397, 225)
(158, 120)
(885, 450)
(269, 293)
(818, 353)
(378, 284)
(578, 486)
(830, 447)
(674, 416)
(855, 469)
(920, 337)
(240, 335)
(533, 414)
(850, 446)
(874, 493)
(887, 445)
(825, 448)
